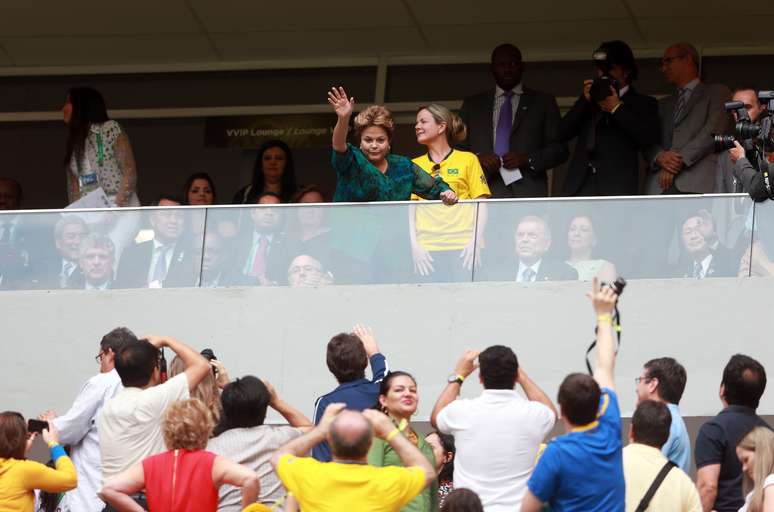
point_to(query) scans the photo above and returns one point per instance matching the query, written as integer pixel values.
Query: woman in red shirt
(186, 477)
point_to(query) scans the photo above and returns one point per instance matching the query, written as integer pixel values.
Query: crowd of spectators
(139, 439)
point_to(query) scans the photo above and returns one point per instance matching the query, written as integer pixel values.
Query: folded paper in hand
(94, 199)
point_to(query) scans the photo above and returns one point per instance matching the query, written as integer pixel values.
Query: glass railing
(387, 243)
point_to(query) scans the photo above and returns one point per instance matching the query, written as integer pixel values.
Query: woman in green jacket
(398, 399)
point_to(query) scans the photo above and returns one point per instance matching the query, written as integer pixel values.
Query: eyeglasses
(668, 60)
(99, 357)
(640, 379)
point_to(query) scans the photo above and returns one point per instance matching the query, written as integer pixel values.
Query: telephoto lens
(723, 142)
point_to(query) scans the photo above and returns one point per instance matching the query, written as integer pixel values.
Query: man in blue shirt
(347, 356)
(583, 469)
(663, 380)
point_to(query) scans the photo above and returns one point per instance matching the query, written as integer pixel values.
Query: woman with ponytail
(446, 244)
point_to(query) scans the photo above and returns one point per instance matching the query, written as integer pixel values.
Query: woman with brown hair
(370, 172)
(398, 399)
(20, 477)
(756, 453)
(186, 477)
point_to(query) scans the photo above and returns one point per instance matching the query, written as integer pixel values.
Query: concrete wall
(50, 338)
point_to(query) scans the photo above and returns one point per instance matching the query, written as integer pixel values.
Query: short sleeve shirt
(130, 424)
(716, 444)
(335, 487)
(583, 470)
(678, 446)
(439, 227)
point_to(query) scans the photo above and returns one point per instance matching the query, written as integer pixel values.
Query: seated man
(305, 271)
(706, 256)
(55, 271)
(217, 270)
(348, 355)
(259, 256)
(533, 240)
(583, 469)
(349, 483)
(643, 462)
(719, 472)
(96, 258)
(166, 260)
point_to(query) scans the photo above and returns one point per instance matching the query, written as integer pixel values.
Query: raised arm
(294, 417)
(408, 453)
(533, 391)
(117, 490)
(302, 445)
(225, 471)
(125, 158)
(603, 300)
(465, 366)
(196, 366)
(59, 479)
(343, 106)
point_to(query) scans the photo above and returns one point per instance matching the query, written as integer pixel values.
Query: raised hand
(468, 363)
(341, 103)
(603, 298)
(366, 335)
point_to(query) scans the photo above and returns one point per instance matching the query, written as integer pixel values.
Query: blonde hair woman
(186, 477)
(370, 172)
(208, 390)
(756, 453)
(443, 242)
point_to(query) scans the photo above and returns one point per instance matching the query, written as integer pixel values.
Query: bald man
(335, 486)
(684, 161)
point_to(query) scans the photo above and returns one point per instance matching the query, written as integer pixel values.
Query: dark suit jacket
(610, 142)
(77, 281)
(722, 264)
(275, 256)
(136, 260)
(691, 136)
(534, 132)
(552, 270)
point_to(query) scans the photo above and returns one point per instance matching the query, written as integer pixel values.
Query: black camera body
(618, 285)
(600, 87)
(746, 131)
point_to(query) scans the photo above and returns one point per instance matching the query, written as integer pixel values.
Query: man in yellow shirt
(349, 483)
(643, 461)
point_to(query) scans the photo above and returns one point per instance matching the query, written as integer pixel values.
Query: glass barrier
(315, 245)
(664, 237)
(758, 260)
(99, 250)
(387, 243)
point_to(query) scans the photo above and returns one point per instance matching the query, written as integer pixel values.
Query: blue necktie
(504, 126)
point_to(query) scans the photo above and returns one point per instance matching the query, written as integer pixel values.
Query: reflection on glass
(305, 271)
(533, 240)
(96, 261)
(258, 246)
(582, 244)
(704, 255)
(758, 259)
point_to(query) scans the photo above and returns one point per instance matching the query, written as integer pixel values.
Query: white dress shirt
(78, 428)
(499, 99)
(520, 278)
(155, 257)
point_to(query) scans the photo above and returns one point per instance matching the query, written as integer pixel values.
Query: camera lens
(723, 142)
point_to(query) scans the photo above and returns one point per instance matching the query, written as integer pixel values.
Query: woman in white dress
(582, 240)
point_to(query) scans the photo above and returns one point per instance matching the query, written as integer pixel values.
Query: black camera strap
(643, 506)
(616, 319)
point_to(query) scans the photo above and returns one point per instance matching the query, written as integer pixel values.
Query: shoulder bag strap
(654, 486)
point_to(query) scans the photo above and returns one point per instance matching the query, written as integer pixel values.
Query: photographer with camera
(726, 180)
(750, 168)
(612, 122)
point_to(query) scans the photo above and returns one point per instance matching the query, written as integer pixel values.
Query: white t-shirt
(78, 428)
(766, 483)
(497, 436)
(130, 424)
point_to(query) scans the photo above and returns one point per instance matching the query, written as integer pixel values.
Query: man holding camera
(684, 161)
(726, 171)
(612, 122)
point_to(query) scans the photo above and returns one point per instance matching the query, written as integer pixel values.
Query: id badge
(88, 182)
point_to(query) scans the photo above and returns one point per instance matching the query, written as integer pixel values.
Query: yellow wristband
(616, 107)
(392, 435)
(605, 318)
(52, 444)
(461, 377)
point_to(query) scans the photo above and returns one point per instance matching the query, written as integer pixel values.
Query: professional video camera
(600, 88)
(746, 131)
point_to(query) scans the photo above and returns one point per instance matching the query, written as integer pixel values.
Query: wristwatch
(451, 379)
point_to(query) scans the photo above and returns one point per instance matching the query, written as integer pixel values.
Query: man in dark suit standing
(165, 261)
(683, 161)
(513, 127)
(533, 240)
(611, 132)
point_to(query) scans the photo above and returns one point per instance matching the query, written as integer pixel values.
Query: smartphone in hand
(36, 426)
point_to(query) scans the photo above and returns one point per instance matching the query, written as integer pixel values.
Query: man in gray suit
(684, 162)
(513, 127)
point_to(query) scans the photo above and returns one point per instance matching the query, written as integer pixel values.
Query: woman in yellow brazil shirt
(444, 246)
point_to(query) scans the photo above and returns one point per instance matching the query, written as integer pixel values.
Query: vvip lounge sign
(297, 130)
